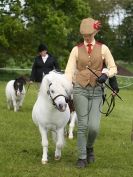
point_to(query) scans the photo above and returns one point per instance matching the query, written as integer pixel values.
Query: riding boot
(90, 155)
(81, 163)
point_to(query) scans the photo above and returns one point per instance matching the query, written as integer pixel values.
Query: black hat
(42, 47)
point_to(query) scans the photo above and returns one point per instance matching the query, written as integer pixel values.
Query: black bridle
(53, 99)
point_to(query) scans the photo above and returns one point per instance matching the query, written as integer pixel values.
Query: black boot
(81, 163)
(90, 155)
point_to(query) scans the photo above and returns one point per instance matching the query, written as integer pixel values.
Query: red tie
(89, 48)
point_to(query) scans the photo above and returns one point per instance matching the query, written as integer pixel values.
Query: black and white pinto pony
(15, 93)
(51, 111)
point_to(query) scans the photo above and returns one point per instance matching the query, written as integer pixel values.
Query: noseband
(53, 99)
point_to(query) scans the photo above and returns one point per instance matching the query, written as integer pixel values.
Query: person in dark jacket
(43, 64)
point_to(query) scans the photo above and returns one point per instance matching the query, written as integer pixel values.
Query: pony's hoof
(44, 162)
(57, 157)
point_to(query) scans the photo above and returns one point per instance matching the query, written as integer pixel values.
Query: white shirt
(45, 58)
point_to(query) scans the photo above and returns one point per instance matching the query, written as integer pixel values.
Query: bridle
(53, 99)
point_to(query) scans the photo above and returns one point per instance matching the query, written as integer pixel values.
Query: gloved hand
(113, 84)
(102, 79)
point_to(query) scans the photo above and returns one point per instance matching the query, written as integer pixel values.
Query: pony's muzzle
(62, 107)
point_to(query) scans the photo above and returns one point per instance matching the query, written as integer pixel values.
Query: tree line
(25, 24)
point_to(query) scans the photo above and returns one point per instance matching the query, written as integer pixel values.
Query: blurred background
(24, 24)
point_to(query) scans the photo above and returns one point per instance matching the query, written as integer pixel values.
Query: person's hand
(102, 79)
(31, 82)
(115, 92)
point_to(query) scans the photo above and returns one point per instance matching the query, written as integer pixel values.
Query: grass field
(20, 143)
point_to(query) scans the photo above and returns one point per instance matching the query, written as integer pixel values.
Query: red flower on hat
(97, 25)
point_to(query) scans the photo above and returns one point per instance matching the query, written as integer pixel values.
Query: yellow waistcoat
(94, 61)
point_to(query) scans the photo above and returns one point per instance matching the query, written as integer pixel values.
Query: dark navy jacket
(39, 67)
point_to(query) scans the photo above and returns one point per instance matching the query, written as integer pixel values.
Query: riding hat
(89, 26)
(42, 47)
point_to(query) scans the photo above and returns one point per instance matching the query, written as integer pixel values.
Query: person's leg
(81, 106)
(94, 121)
(93, 126)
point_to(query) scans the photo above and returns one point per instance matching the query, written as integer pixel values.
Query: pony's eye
(52, 91)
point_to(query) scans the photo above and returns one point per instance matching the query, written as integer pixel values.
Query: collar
(46, 56)
(93, 42)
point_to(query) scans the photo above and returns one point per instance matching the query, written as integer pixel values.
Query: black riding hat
(42, 47)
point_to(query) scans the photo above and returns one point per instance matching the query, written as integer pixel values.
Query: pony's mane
(58, 78)
(57, 71)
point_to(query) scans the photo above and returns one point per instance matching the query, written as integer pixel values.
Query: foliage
(25, 24)
(51, 22)
(119, 38)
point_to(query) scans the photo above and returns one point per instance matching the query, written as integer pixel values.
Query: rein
(112, 102)
(105, 83)
(111, 105)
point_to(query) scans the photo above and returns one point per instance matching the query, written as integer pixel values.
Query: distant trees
(23, 27)
(118, 37)
(24, 24)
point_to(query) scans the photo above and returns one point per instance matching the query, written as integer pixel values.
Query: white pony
(15, 93)
(51, 110)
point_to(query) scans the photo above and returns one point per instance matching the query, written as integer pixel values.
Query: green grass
(21, 151)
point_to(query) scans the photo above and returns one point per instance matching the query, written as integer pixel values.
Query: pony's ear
(23, 80)
(47, 81)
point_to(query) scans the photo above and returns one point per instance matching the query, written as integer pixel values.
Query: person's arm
(111, 69)
(71, 64)
(109, 61)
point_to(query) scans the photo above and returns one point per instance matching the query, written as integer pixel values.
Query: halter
(16, 93)
(53, 99)
(21, 92)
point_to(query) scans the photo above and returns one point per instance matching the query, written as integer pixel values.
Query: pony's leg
(9, 104)
(59, 143)
(15, 105)
(21, 102)
(43, 132)
(72, 124)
